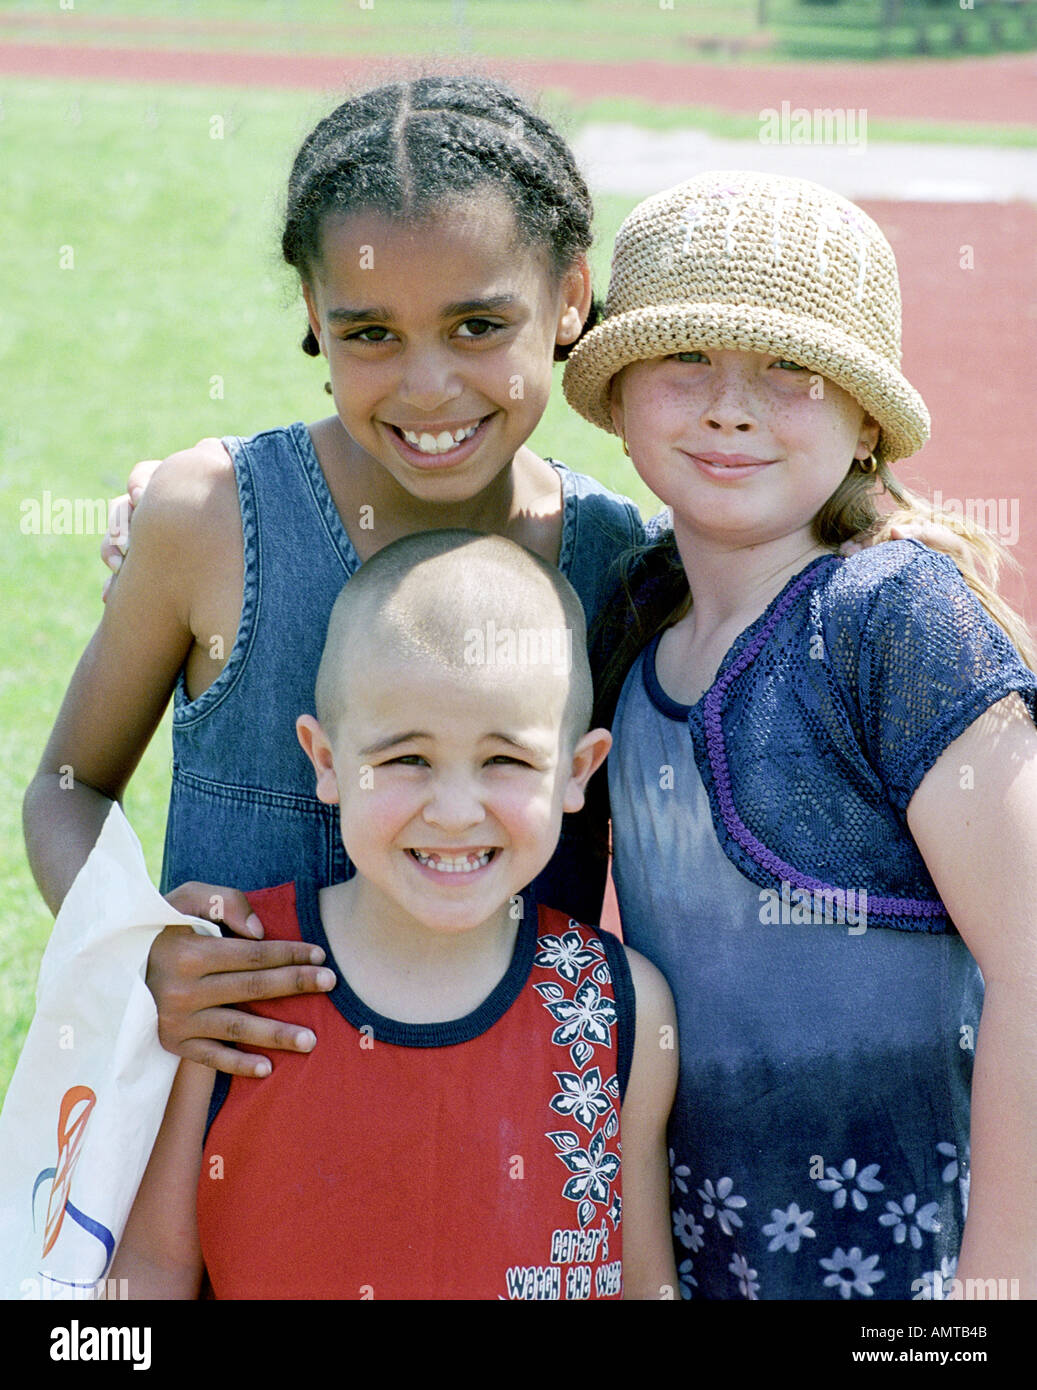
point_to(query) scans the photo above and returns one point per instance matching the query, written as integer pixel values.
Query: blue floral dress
(819, 1141)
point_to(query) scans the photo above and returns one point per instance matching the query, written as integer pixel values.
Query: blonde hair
(853, 509)
(653, 594)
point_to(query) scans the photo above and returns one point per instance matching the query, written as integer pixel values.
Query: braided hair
(405, 148)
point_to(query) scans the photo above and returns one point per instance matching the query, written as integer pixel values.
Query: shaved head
(466, 603)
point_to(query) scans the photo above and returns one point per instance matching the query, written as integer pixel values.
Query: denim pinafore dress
(243, 810)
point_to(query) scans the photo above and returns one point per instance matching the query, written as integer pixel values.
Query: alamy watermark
(47, 1288)
(999, 515)
(91, 1343)
(796, 125)
(802, 907)
(936, 1287)
(48, 515)
(491, 645)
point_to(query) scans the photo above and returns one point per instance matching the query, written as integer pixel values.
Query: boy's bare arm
(160, 1255)
(649, 1271)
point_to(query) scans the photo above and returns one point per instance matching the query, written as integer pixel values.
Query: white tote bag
(87, 1097)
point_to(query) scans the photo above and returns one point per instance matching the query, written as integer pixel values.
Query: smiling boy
(456, 1132)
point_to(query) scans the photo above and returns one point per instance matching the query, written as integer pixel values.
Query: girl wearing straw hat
(824, 779)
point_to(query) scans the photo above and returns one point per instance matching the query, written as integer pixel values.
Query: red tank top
(475, 1159)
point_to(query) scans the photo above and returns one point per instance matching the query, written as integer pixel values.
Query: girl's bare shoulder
(187, 539)
(193, 491)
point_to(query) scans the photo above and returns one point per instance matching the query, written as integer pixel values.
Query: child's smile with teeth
(464, 863)
(451, 778)
(439, 380)
(439, 443)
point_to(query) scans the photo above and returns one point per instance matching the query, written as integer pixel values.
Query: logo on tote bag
(73, 1114)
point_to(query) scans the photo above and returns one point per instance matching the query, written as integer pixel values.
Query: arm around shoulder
(649, 1271)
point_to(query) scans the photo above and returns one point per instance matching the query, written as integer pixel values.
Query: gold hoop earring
(869, 465)
(622, 441)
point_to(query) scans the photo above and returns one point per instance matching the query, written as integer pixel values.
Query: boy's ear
(314, 317)
(576, 301)
(588, 756)
(317, 748)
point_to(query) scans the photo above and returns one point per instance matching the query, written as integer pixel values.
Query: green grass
(591, 30)
(176, 279)
(598, 30)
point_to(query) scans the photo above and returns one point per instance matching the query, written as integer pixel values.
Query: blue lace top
(819, 1141)
(827, 713)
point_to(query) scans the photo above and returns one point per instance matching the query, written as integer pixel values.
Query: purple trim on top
(736, 828)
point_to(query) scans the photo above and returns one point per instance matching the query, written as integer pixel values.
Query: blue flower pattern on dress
(748, 1286)
(852, 1272)
(909, 1222)
(788, 1228)
(950, 1173)
(718, 1202)
(687, 1230)
(849, 1270)
(857, 1184)
(678, 1173)
(687, 1279)
(586, 1018)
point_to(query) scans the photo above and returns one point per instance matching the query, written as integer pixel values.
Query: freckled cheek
(843, 429)
(660, 413)
(653, 429)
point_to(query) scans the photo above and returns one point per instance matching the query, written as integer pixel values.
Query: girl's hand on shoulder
(120, 515)
(195, 979)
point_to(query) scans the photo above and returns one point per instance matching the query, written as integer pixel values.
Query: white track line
(627, 159)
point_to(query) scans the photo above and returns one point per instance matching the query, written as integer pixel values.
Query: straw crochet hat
(760, 263)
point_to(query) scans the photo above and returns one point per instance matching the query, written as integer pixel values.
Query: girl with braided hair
(439, 231)
(439, 228)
